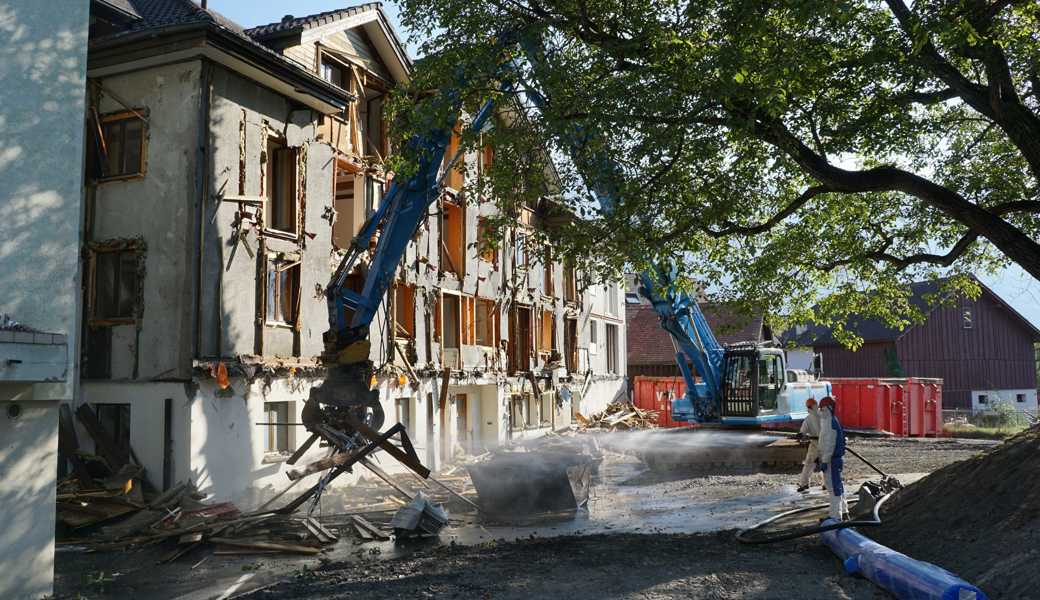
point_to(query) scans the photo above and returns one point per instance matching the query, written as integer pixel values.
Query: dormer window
(332, 72)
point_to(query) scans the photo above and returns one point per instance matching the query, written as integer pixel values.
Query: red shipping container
(904, 407)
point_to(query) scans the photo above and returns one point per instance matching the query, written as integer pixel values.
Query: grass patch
(967, 430)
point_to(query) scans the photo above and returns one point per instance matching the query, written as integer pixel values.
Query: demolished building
(227, 171)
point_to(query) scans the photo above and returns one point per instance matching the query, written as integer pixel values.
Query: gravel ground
(586, 564)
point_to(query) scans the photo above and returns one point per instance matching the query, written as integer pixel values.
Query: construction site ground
(645, 534)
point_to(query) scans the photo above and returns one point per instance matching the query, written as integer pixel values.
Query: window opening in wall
(115, 282)
(967, 318)
(520, 253)
(283, 291)
(612, 348)
(278, 428)
(548, 284)
(485, 242)
(517, 420)
(451, 329)
(612, 299)
(453, 238)
(374, 189)
(119, 146)
(547, 342)
(280, 188)
(404, 310)
(332, 72)
(487, 323)
(469, 317)
(348, 214)
(462, 434)
(520, 336)
(403, 412)
(570, 283)
(570, 344)
(1020, 398)
(593, 336)
(534, 409)
(115, 418)
(456, 177)
(983, 399)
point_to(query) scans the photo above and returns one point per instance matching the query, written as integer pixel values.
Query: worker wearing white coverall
(810, 430)
(832, 458)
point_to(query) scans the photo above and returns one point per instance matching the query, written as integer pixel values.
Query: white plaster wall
(601, 393)
(28, 457)
(42, 95)
(1009, 397)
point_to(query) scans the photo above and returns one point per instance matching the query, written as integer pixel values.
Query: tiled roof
(155, 14)
(123, 6)
(649, 344)
(290, 23)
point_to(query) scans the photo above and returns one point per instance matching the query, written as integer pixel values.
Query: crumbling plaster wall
(241, 113)
(159, 208)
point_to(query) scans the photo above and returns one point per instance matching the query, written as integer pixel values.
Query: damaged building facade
(227, 171)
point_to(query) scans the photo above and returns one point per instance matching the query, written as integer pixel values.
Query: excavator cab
(752, 385)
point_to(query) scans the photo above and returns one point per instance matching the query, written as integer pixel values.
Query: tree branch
(901, 263)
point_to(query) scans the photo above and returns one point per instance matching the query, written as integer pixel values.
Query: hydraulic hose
(746, 536)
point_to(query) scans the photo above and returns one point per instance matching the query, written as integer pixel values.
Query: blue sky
(1016, 287)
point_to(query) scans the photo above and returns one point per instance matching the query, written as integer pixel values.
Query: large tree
(810, 156)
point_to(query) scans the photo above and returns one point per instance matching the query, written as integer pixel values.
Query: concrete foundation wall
(1024, 400)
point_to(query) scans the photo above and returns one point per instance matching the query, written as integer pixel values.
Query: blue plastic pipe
(901, 575)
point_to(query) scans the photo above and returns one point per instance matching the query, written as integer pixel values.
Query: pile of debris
(979, 518)
(620, 416)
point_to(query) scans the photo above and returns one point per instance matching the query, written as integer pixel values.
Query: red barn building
(982, 349)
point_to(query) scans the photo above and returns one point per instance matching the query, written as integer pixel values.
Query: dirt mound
(979, 518)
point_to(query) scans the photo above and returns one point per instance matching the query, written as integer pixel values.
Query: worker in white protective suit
(832, 457)
(810, 430)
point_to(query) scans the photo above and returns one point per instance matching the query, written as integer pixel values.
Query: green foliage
(807, 156)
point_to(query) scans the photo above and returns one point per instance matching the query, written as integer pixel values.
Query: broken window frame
(487, 312)
(570, 283)
(277, 147)
(134, 248)
(453, 255)
(404, 310)
(104, 140)
(548, 276)
(278, 263)
(328, 65)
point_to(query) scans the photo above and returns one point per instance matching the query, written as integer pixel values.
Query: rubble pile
(621, 416)
(979, 518)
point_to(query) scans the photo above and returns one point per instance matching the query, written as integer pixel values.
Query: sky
(1014, 285)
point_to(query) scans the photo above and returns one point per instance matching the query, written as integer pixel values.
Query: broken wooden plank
(367, 525)
(291, 548)
(380, 473)
(103, 441)
(302, 449)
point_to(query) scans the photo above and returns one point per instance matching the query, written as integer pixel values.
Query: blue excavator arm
(396, 219)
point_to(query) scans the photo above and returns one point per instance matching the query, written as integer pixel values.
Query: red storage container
(656, 393)
(909, 406)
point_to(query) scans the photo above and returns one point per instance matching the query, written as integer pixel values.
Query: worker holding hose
(832, 457)
(810, 430)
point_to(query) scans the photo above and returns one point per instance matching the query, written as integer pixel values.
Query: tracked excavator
(744, 387)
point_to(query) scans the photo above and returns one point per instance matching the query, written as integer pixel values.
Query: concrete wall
(42, 73)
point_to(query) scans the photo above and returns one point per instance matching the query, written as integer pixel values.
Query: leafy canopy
(810, 157)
